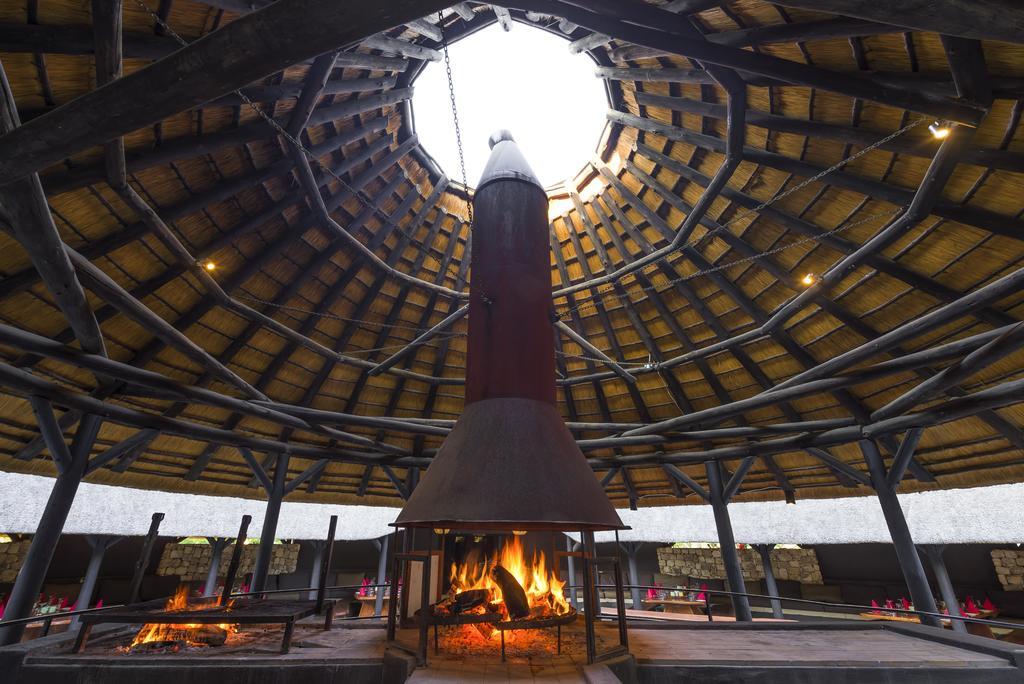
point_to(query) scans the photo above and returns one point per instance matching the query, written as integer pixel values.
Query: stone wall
(1009, 564)
(192, 561)
(11, 557)
(799, 565)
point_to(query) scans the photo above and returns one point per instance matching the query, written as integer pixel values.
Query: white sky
(525, 80)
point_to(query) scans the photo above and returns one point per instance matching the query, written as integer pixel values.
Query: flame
(544, 591)
(186, 633)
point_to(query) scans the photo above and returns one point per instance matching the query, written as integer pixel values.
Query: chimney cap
(506, 162)
(500, 135)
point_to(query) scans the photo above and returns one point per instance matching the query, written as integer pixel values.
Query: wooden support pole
(99, 543)
(570, 561)
(935, 552)
(325, 567)
(236, 558)
(903, 457)
(632, 550)
(217, 546)
(382, 569)
(727, 542)
(910, 562)
(275, 495)
(44, 542)
(765, 551)
(318, 546)
(590, 565)
(142, 564)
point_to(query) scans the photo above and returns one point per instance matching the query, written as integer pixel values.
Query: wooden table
(368, 605)
(677, 605)
(972, 627)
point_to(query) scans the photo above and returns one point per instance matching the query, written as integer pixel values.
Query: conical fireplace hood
(510, 462)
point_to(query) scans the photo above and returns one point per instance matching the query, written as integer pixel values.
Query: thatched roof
(723, 317)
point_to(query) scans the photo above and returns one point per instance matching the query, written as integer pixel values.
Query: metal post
(382, 569)
(632, 549)
(727, 542)
(590, 549)
(315, 566)
(217, 546)
(910, 562)
(37, 561)
(765, 550)
(571, 546)
(236, 558)
(325, 566)
(143, 562)
(934, 553)
(99, 543)
(274, 497)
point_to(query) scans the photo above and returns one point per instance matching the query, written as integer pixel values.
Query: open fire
(506, 586)
(176, 636)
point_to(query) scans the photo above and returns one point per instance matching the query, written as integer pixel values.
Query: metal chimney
(510, 462)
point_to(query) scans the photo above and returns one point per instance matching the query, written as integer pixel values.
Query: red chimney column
(511, 339)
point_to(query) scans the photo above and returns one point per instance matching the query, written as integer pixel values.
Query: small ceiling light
(808, 279)
(940, 130)
(519, 533)
(790, 498)
(210, 266)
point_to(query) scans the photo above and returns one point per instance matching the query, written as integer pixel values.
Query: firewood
(468, 600)
(512, 593)
(211, 635)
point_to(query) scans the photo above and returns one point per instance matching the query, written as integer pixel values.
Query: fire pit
(510, 465)
(502, 594)
(183, 623)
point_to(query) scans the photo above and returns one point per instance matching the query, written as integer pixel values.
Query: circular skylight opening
(525, 80)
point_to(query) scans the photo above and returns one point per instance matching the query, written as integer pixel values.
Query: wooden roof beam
(26, 215)
(650, 26)
(823, 29)
(993, 158)
(288, 31)
(978, 19)
(25, 384)
(972, 216)
(798, 225)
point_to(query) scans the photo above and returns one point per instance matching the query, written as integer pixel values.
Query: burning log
(469, 600)
(512, 593)
(211, 635)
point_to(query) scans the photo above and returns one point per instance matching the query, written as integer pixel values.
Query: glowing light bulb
(808, 279)
(210, 266)
(940, 130)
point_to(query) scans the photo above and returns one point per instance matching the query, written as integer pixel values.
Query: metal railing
(48, 618)
(722, 592)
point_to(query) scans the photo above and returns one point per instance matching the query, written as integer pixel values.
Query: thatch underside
(227, 186)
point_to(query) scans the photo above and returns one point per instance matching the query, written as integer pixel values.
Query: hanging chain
(455, 114)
